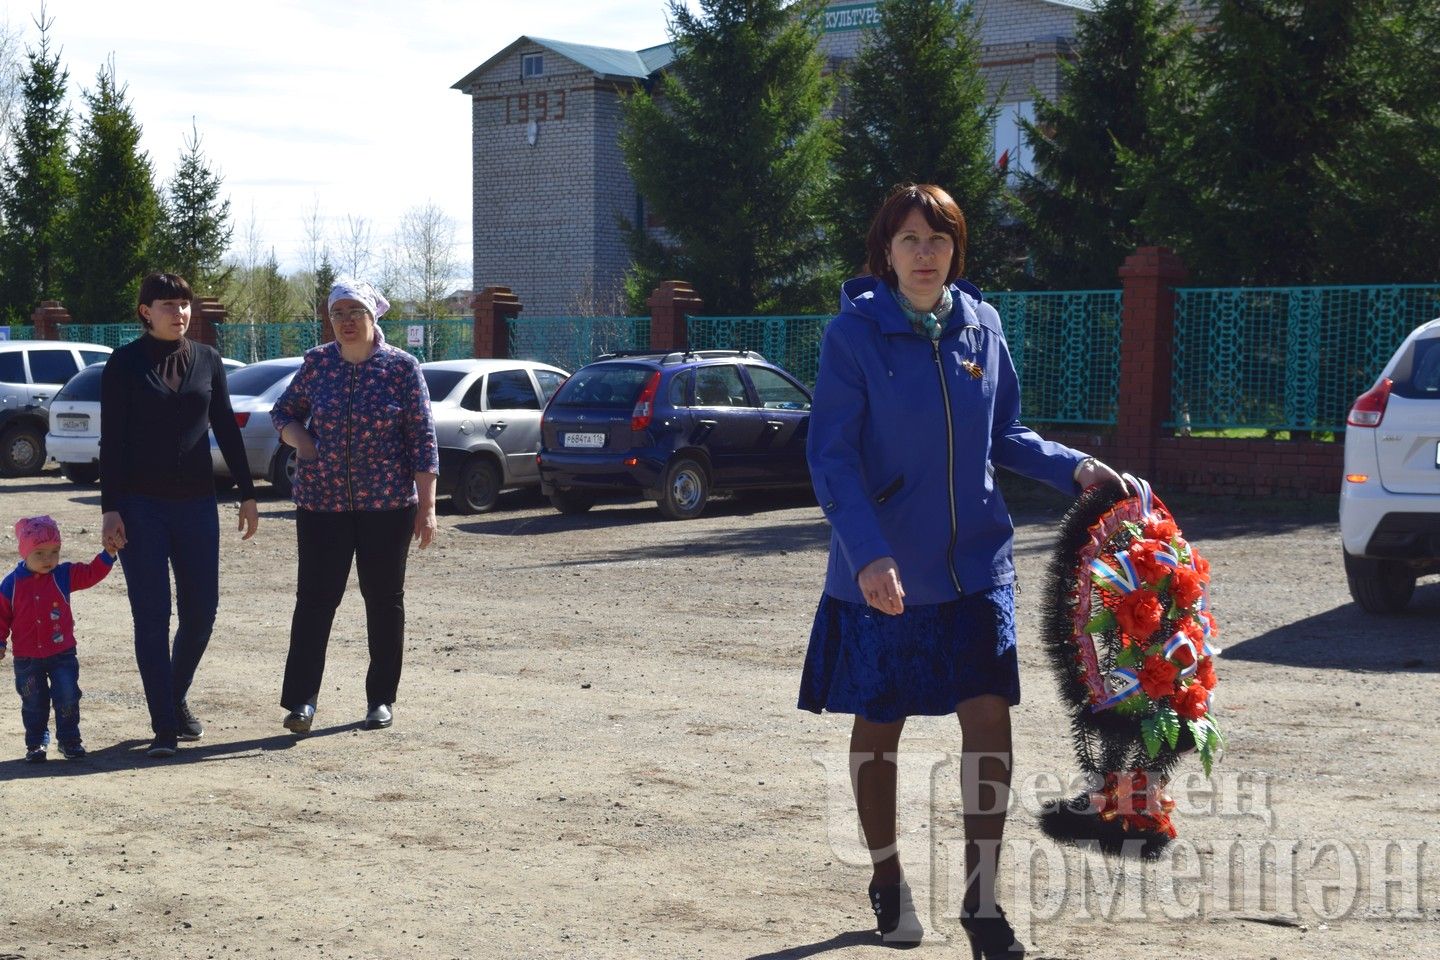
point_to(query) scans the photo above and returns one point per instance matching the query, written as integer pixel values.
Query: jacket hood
(871, 298)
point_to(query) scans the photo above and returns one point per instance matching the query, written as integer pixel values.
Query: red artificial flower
(1192, 702)
(1202, 566)
(1191, 629)
(1161, 528)
(1139, 613)
(1186, 587)
(1205, 674)
(1142, 554)
(1184, 656)
(1157, 677)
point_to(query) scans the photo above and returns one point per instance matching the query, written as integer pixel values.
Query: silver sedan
(253, 391)
(487, 424)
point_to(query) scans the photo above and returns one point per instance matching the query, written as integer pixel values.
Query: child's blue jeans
(42, 681)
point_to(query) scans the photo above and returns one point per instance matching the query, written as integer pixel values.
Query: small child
(35, 606)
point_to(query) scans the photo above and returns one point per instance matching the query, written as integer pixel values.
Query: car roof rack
(681, 356)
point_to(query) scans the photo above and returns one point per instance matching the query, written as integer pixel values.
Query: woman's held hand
(880, 585)
(249, 519)
(112, 534)
(1092, 471)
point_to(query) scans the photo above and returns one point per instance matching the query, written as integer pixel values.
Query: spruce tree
(916, 110)
(1277, 173)
(1130, 67)
(195, 229)
(731, 154)
(36, 186)
(110, 230)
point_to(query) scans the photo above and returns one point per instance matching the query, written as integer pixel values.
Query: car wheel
(478, 486)
(82, 473)
(568, 501)
(685, 490)
(282, 470)
(1379, 586)
(22, 451)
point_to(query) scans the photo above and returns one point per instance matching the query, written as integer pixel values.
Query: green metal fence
(108, 334)
(249, 342)
(21, 332)
(1286, 358)
(572, 342)
(1066, 351)
(791, 342)
(442, 338)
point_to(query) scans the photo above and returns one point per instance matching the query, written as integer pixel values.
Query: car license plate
(74, 422)
(584, 440)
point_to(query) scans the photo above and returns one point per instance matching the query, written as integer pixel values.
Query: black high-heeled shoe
(895, 916)
(992, 937)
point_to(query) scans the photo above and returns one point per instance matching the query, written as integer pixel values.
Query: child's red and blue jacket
(35, 607)
(372, 426)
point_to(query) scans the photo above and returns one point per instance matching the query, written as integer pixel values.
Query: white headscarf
(361, 291)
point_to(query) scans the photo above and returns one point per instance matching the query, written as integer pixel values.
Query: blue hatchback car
(675, 428)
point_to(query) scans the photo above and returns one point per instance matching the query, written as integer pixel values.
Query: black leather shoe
(73, 751)
(300, 720)
(34, 754)
(991, 937)
(187, 727)
(379, 717)
(895, 916)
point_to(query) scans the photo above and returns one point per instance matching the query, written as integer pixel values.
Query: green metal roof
(604, 61)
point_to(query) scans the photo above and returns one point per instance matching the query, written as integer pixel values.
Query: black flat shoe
(895, 916)
(991, 938)
(379, 717)
(300, 721)
(187, 725)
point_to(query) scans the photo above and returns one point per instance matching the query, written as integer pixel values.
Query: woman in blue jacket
(915, 405)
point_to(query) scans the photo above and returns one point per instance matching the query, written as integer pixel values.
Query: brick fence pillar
(47, 319)
(1147, 336)
(494, 308)
(670, 304)
(205, 313)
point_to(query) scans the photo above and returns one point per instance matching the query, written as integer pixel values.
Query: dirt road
(597, 755)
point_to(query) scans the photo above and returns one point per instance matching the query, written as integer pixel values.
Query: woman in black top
(160, 397)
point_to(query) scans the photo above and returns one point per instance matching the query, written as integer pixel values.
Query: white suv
(30, 373)
(1390, 497)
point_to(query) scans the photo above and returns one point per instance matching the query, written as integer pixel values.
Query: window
(532, 65)
(12, 367)
(473, 396)
(88, 357)
(610, 386)
(510, 390)
(680, 389)
(1423, 381)
(440, 382)
(719, 386)
(52, 366)
(255, 379)
(84, 386)
(549, 382)
(1010, 145)
(777, 393)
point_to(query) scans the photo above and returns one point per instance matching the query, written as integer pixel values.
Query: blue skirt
(921, 663)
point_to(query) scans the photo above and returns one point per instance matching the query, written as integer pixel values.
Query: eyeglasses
(354, 315)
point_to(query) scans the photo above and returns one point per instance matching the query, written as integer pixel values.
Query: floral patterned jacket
(372, 426)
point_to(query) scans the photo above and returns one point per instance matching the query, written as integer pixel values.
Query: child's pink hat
(35, 532)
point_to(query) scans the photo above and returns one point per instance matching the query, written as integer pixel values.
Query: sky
(344, 104)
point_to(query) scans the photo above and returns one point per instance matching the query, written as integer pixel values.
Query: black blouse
(154, 439)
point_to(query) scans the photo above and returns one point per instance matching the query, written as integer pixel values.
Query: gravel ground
(597, 755)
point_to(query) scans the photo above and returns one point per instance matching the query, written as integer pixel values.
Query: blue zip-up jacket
(895, 476)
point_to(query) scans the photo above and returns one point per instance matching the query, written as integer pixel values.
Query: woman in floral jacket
(358, 416)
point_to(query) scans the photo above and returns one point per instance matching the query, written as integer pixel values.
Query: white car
(253, 391)
(1390, 497)
(487, 425)
(31, 372)
(74, 412)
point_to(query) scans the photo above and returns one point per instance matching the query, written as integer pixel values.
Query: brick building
(550, 185)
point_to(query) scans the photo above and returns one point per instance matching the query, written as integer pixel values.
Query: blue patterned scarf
(928, 323)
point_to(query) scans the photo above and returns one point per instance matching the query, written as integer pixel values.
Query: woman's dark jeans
(41, 681)
(379, 543)
(161, 535)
